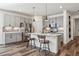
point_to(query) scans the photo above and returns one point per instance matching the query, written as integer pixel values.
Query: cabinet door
(7, 20)
(13, 20)
(9, 38)
(21, 19)
(17, 21)
(19, 37)
(14, 37)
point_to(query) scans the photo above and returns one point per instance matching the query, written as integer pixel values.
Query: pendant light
(46, 19)
(33, 14)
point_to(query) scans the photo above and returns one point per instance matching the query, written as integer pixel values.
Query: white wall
(66, 26)
(2, 41)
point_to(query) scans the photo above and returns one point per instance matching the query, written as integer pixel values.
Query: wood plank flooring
(20, 49)
(71, 49)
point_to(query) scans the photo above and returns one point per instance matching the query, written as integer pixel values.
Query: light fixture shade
(33, 20)
(46, 18)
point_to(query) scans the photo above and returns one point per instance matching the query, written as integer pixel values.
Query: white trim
(73, 25)
(57, 15)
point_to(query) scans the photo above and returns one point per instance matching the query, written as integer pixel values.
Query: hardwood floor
(20, 49)
(71, 49)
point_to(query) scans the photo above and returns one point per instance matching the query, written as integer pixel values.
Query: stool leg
(27, 44)
(31, 44)
(45, 49)
(34, 44)
(40, 47)
(48, 47)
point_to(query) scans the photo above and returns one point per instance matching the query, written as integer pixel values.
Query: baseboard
(15, 42)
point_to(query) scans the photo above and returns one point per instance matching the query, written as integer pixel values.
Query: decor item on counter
(8, 29)
(26, 27)
(22, 29)
(32, 29)
(50, 25)
(54, 28)
(21, 24)
(46, 29)
(16, 28)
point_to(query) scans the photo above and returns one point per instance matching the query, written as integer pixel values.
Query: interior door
(77, 27)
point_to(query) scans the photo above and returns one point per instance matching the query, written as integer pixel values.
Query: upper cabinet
(15, 20)
(7, 20)
(56, 20)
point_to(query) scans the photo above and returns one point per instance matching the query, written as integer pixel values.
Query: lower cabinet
(12, 37)
(18, 37)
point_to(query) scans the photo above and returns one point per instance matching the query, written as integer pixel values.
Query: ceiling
(40, 8)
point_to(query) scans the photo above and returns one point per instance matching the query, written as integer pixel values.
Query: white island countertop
(47, 34)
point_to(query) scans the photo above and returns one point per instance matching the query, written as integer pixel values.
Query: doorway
(76, 27)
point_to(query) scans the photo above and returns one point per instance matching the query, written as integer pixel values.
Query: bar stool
(44, 42)
(33, 45)
(31, 40)
(27, 40)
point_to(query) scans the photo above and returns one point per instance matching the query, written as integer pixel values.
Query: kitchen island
(54, 39)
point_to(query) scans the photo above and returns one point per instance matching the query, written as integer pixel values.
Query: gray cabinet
(18, 37)
(9, 38)
(12, 37)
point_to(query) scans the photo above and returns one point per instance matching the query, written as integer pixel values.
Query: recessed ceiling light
(61, 7)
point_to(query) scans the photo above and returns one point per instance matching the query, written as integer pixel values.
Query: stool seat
(32, 38)
(44, 42)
